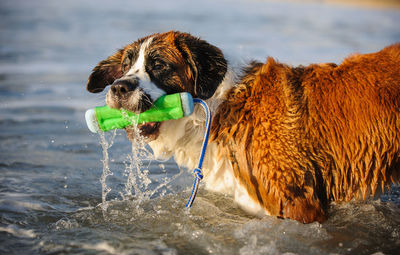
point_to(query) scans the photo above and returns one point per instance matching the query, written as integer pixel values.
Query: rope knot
(197, 172)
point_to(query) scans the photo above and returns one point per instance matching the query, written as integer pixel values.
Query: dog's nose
(122, 87)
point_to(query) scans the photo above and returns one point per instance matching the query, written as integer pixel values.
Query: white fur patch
(139, 70)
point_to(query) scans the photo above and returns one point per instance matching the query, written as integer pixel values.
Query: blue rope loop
(197, 171)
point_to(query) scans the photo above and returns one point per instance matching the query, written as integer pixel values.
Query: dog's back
(354, 114)
(300, 137)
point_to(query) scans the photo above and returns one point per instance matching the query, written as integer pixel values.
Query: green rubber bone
(174, 106)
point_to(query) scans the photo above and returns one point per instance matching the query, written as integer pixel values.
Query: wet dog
(285, 141)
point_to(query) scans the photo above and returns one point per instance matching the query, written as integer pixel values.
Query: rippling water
(51, 166)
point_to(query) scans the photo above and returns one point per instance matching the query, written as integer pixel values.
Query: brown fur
(301, 137)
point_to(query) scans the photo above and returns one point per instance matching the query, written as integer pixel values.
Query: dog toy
(174, 106)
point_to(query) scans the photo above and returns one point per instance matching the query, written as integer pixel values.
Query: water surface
(51, 165)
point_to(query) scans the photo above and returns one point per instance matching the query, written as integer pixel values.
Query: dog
(285, 141)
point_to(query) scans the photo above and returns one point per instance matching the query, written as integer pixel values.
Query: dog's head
(156, 65)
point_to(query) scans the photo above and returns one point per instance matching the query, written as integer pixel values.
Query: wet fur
(300, 137)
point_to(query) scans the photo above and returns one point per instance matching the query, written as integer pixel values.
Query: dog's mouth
(148, 130)
(137, 102)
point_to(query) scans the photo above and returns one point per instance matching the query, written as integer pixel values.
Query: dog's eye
(125, 65)
(124, 68)
(158, 66)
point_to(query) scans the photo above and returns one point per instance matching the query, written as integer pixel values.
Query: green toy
(174, 106)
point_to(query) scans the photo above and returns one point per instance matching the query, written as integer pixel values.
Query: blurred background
(50, 165)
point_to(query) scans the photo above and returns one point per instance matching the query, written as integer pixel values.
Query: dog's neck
(182, 138)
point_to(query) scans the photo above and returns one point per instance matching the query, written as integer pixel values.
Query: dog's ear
(105, 73)
(206, 62)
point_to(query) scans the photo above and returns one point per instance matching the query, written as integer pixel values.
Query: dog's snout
(121, 87)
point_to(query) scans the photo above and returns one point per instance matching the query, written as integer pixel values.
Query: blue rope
(198, 175)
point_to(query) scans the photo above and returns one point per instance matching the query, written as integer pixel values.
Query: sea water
(57, 196)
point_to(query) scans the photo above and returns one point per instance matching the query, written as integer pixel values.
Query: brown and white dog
(285, 140)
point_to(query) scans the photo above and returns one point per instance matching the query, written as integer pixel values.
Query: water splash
(106, 167)
(137, 175)
(138, 179)
(139, 187)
